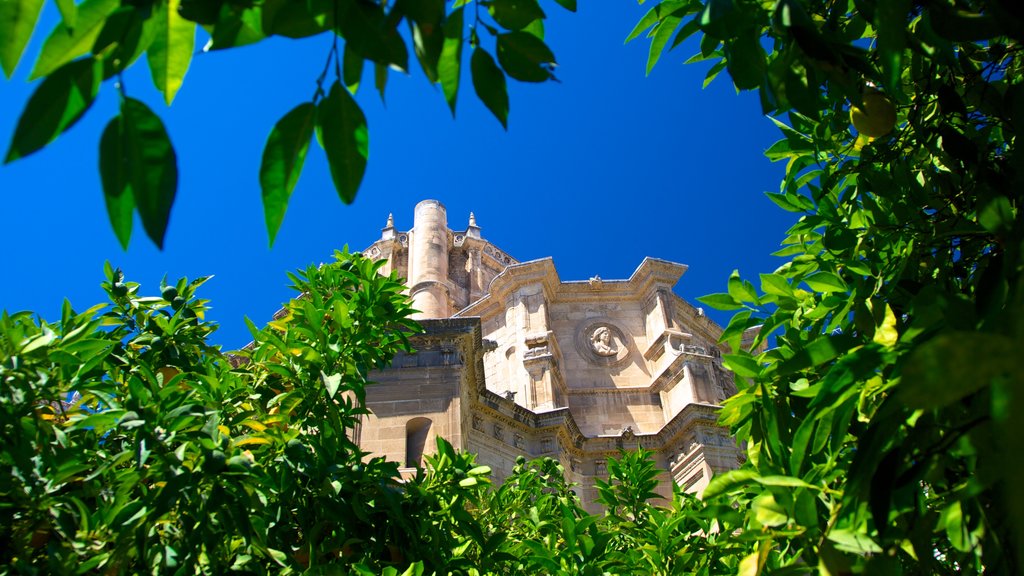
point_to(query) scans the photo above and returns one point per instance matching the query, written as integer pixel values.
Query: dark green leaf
(352, 69)
(569, 5)
(427, 42)
(342, 131)
(283, 157)
(296, 19)
(820, 350)
(524, 56)
(61, 99)
(17, 21)
(237, 26)
(746, 61)
(151, 165)
(891, 23)
(380, 78)
(422, 11)
(489, 83)
(450, 63)
(370, 33)
(116, 180)
(956, 364)
(515, 14)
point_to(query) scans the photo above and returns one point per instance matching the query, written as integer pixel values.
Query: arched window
(416, 432)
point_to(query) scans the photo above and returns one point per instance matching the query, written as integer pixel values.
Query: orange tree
(881, 425)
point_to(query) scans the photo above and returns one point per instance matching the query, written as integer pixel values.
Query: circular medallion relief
(601, 342)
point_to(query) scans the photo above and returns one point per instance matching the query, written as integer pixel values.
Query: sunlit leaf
(170, 53)
(283, 158)
(63, 46)
(449, 65)
(17, 21)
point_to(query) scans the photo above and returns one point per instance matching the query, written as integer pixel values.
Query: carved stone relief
(601, 342)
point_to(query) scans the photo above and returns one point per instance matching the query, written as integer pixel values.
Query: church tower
(514, 361)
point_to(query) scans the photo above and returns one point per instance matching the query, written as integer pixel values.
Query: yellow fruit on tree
(875, 115)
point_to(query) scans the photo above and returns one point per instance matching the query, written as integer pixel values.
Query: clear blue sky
(597, 171)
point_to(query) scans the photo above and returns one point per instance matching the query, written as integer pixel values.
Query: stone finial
(388, 232)
(473, 231)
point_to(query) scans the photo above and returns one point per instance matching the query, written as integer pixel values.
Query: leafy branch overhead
(97, 40)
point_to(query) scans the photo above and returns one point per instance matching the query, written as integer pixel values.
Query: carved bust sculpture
(601, 342)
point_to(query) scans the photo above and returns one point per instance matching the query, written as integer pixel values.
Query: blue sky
(597, 171)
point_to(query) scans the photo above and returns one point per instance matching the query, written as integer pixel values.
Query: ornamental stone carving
(602, 343)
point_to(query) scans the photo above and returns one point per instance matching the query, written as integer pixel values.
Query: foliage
(880, 427)
(98, 40)
(131, 445)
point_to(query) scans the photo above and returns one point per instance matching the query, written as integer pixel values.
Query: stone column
(428, 261)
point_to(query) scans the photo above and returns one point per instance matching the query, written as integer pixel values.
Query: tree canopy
(879, 425)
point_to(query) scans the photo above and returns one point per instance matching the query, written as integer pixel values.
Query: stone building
(514, 361)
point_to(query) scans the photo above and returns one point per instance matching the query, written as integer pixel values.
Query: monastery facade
(513, 361)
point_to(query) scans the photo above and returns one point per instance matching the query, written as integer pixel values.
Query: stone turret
(428, 261)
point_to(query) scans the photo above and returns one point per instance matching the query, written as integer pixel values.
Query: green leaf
(283, 157)
(741, 290)
(17, 21)
(524, 56)
(372, 34)
(891, 23)
(427, 42)
(342, 131)
(237, 26)
(515, 14)
(450, 63)
(826, 282)
(68, 12)
(746, 60)
(742, 364)
(657, 12)
(489, 83)
(114, 175)
(331, 383)
(769, 512)
(296, 19)
(170, 53)
(777, 285)
(151, 165)
(352, 69)
(720, 301)
(662, 33)
(728, 481)
(569, 5)
(63, 46)
(956, 364)
(59, 101)
(820, 350)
